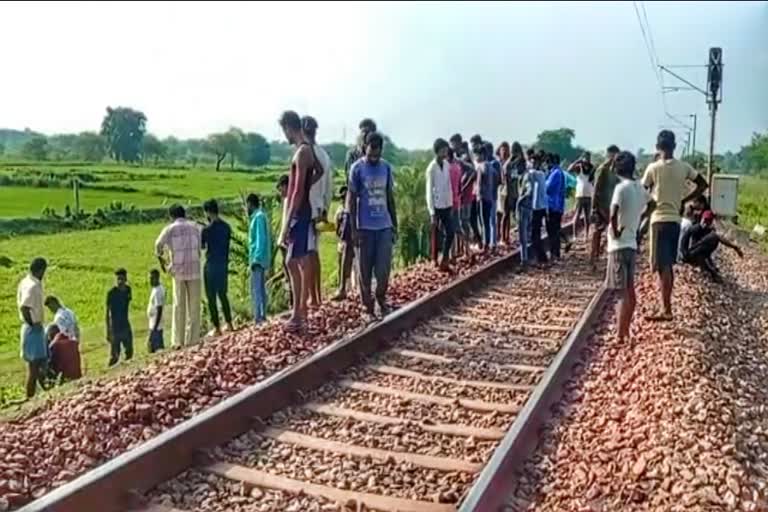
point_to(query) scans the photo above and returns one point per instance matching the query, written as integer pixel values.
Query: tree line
(123, 137)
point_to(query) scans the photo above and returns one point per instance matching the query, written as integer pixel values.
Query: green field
(81, 267)
(753, 201)
(82, 263)
(153, 187)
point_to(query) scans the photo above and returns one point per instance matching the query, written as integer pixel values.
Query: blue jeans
(494, 234)
(488, 215)
(258, 294)
(523, 231)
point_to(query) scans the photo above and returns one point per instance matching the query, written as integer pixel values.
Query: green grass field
(80, 272)
(155, 187)
(753, 201)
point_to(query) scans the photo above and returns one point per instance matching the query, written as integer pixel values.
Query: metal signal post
(714, 97)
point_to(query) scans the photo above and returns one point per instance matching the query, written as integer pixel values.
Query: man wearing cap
(700, 242)
(667, 180)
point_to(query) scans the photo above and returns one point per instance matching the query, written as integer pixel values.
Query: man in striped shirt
(182, 238)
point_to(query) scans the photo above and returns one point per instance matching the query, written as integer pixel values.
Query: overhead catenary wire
(650, 46)
(651, 58)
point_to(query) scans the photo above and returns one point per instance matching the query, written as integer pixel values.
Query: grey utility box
(725, 192)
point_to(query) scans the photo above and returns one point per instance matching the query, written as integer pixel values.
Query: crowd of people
(474, 196)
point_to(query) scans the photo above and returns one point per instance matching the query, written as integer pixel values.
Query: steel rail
(498, 476)
(117, 485)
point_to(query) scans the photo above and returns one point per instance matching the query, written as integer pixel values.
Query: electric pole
(714, 80)
(693, 141)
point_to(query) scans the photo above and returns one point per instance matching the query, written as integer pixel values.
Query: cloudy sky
(505, 70)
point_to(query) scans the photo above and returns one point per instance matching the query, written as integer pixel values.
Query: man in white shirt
(155, 309)
(585, 178)
(183, 239)
(64, 318)
(627, 206)
(29, 299)
(320, 195)
(440, 201)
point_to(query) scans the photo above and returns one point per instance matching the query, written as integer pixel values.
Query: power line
(651, 50)
(647, 44)
(650, 37)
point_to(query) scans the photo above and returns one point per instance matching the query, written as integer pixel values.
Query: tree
(153, 148)
(559, 141)
(755, 155)
(35, 148)
(2, 149)
(337, 151)
(255, 150)
(281, 151)
(223, 144)
(62, 146)
(90, 146)
(124, 130)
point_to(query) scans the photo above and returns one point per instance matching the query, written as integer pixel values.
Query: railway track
(424, 412)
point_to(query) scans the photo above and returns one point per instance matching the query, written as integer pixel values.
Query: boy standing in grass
(119, 332)
(155, 312)
(627, 205)
(259, 256)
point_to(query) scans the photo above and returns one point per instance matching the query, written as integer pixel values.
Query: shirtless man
(297, 233)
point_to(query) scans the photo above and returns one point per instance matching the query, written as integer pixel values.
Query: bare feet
(660, 316)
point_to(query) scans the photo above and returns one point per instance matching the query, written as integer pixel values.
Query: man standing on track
(539, 204)
(525, 187)
(468, 212)
(259, 255)
(373, 219)
(298, 232)
(585, 179)
(493, 163)
(605, 181)
(513, 166)
(667, 180)
(627, 205)
(454, 165)
(356, 153)
(34, 347)
(320, 196)
(182, 237)
(555, 205)
(440, 202)
(215, 239)
(347, 249)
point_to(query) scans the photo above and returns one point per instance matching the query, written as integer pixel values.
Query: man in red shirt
(65, 355)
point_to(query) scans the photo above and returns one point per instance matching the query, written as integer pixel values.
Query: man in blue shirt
(555, 204)
(373, 221)
(539, 180)
(259, 255)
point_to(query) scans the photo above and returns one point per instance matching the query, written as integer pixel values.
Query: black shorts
(665, 237)
(584, 204)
